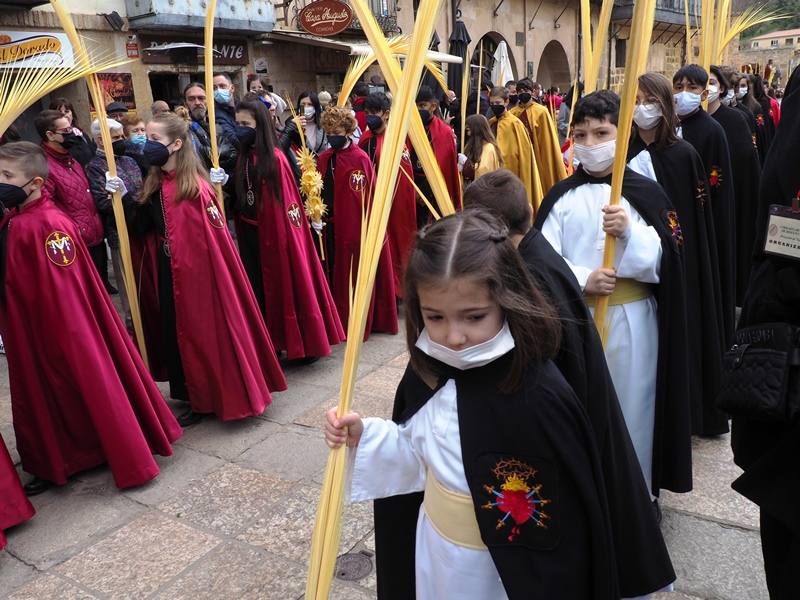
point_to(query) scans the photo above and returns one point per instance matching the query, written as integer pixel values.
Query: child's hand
(347, 429)
(601, 282)
(615, 220)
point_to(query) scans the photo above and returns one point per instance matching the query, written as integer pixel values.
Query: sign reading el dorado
(325, 17)
(27, 49)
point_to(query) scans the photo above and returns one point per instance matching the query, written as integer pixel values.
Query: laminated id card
(783, 232)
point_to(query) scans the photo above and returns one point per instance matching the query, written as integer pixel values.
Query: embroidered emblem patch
(701, 194)
(519, 499)
(357, 180)
(212, 210)
(755, 141)
(60, 249)
(715, 177)
(294, 214)
(671, 219)
(760, 120)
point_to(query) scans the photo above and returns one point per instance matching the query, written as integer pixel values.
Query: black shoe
(189, 417)
(112, 291)
(306, 360)
(657, 511)
(37, 486)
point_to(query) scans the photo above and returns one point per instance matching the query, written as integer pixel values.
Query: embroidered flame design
(715, 177)
(517, 499)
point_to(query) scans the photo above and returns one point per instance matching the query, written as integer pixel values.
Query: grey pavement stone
(227, 500)
(381, 348)
(226, 440)
(341, 590)
(136, 560)
(362, 403)
(299, 398)
(712, 560)
(291, 455)
(7, 433)
(13, 573)
(48, 586)
(326, 372)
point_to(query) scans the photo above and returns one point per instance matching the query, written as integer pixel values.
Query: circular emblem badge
(357, 180)
(212, 210)
(60, 249)
(295, 215)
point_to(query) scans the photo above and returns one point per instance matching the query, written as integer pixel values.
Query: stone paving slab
(50, 586)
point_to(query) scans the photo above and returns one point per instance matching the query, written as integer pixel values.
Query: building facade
(782, 47)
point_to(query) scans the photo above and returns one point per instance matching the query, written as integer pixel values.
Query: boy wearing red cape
(15, 508)
(81, 395)
(347, 176)
(219, 356)
(402, 220)
(276, 246)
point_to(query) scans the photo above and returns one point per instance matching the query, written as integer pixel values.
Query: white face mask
(598, 158)
(308, 112)
(728, 98)
(473, 357)
(686, 103)
(713, 93)
(647, 116)
(742, 92)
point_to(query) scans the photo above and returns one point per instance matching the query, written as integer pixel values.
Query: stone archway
(554, 67)
(490, 42)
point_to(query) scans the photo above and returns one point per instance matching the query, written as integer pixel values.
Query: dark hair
(748, 99)
(314, 102)
(498, 92)
(724, 83)
(265, 169)
(361, 88)
(526, 83)
(261, 80)
(503, 194)
(760, 94)
(571, 92)
(225, 75)
(480, 133)
(600, 105)
(45, 121)
(511, 82)
(658, 86)
(425, 94)
(30, 158)
(190, 86)
(475, 244)
(377, 102)
(694, 74)
(59, 102)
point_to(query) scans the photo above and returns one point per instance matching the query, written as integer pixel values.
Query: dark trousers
(99, 257)
(169, 328)
(781, 548)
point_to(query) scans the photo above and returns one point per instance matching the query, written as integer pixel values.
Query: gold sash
(452, 515)
(625, 292)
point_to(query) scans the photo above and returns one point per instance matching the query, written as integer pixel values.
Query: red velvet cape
(15, 508)
(403, 219)
(300, 313)
(352, 186)
(144, 249)
(80, 393)
(228, 358)
(444, 147)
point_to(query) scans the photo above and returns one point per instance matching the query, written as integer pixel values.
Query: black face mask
(512, 99)
(374, 122)
(70, 140)
(524, 97)
(118, 147)
(246, 135)
(337, 142)
(498, 109)
(13, 195)
(425, 115)
(156, 153)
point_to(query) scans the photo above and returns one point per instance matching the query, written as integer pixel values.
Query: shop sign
(325, 17)
(27, 49)
(132, 47)
(226, 51)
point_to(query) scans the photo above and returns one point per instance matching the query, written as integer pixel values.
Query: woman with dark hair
(760, 95)
(276, 244)
(79, 145)
(656, 152)
(309, 112)
(745, 96)
(483, 153)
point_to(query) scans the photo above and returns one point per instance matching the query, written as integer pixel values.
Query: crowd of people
(525, 452)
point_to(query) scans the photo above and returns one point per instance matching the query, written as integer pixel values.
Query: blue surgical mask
(139, 139)
(222, 96)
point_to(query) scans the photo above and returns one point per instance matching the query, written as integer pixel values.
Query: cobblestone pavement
(231, 515)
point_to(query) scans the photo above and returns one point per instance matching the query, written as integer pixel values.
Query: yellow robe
(517, 151)
(546, 149)
(490, 161)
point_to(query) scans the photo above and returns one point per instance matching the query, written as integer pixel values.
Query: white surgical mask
(647, 116)
(713, 93)
(728, 98)
(473, 357)
(308, 112)
(598, 158)
(742, 92)
(686, 103)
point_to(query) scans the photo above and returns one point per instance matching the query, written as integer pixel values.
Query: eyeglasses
(64, 131)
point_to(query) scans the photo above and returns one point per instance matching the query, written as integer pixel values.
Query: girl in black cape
(514, 496)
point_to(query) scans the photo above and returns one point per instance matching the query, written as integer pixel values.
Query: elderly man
(159, 107)
(117, 111)
(128, 182)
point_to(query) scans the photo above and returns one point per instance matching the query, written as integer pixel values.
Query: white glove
(318, 226)
(115, 184)
(218, 176)
(462, 160)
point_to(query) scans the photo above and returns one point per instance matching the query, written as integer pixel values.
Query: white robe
(574, 228)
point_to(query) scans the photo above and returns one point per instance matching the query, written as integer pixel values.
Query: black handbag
(761, 374)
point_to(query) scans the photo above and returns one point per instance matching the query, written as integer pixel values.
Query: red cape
(15, 508)
(403, 219)
(228, 358)
(352, 186)
(144, 257)
(80, 393)
(300, 314)
(444, 147)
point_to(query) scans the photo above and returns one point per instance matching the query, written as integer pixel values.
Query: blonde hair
(188, 168)
(183, 113)
(336, 117)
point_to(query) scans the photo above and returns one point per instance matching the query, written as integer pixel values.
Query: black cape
(746, 169)
(672, 445)
(708, 138)
(679, 170)
(543, 426)
(770, 454)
